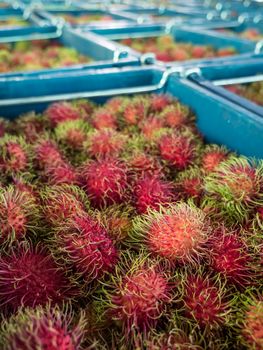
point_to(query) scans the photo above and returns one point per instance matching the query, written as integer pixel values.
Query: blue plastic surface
(220, 120)
(101, 51)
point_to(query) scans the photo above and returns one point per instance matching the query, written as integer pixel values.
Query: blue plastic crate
(55, 16)
(184, 34)
(104, 53)
(221, 121)
(213, 79)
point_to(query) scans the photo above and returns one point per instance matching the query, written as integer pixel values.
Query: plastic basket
(220, 120)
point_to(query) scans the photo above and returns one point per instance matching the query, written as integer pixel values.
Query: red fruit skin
(15, 158)
(163, 56)
(253, 326)
(159, 102)
(191, 188)
(62, 173)
(229, 256)
(30, 277)
(150, 127)
(47, 153)
(105, 144)
(174, 117)
(102, 119)
(134, 112)
(177, 150)
(61, 112)
(151, 193)
(105, 182)
(212, 159)
(198, 52)
(143, 165)
(140, 301)
(203, 302)
(75, 138)
(88, 248)
(179, 55)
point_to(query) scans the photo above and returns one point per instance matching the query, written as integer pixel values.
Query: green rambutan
(62, 203)
(72, 134)
(235, 189)
(49, 328)
(150, 192)
(105, 143)
(177, 233)
(212, 157)
(62, 111)
(19, 215)
(85, 108)
(179, 150)
(14, 155)
(105, 181)
(29, 276)
(84, 245)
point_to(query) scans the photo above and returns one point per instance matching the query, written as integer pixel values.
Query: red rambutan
(62, 111)
(47, 153)
(230, 256)
(19, 215)
(103, 118)
(29, 277)
(72, 134)
(105, 181)
(213, 156)
(140, 299)
(151, 193)
(63, 203)
(175, 115)
(177, 233)
(205, 302)
(189, 184)
(253, 326)
(105, 143)
(178, 150)
(44, 328)
(150, 127)
(86, 247)
(159, 102)
(14, 156)
(62, 173)
(141, 164)
(135, 110)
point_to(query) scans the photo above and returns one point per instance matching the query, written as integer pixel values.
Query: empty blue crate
(218, 119)
(95, 51)
(242, 83)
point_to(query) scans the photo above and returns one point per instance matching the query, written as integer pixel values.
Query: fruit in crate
(13, 22)
(37, 55)
(120, 228)
(83, 19)
(252, 91)
(166, 49)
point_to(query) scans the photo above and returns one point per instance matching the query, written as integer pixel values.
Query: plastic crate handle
(258, 48)
(90, 94)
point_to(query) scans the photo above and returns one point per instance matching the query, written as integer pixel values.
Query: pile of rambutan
(120, 228)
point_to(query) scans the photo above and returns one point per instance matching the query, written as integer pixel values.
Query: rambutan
(19, 215)
(86, 247)
(105, 182)
(189, 184)
(177, 233)
(105, 143)
(159, 102)
(151, 127)
(212, 157)
(175, 115)
(135, 110)
(230, 257)
(178, 149)
(63, 203)
(114, 104)
(30, 277)
(252, 331)
(72, 134)
(151, 193)
(31, 126)
(47, 153)
(14, 155)
(117, 220)
(139, 298)
(235, 188)
(49, 328)
(3, 127)
(141, 165)
(85, 108)
(60, 112)
(205, 302)
(103, 118)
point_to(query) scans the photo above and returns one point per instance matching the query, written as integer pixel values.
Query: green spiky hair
(62, 130)
(177, 233)
(234, 189)
(36, 328)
